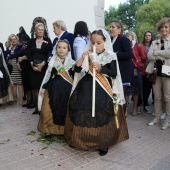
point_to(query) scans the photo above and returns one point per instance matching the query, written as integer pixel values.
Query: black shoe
(26, 105)
(24, 98)
(35, 112)
(103, 152)
(31, 106)
(48, 136)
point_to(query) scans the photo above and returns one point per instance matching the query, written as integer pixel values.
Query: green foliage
(125, 13)
(53, 139)
(110, 15)
(139, 15)
(149, 15)
(32, 133)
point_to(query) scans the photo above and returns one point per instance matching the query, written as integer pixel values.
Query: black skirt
(36, 78)
(80, 105)
(59, 92)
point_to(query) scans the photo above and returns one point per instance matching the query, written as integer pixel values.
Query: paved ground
(148, 148)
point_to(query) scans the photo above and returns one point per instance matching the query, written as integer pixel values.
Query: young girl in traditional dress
(56, 88)
(108, 126)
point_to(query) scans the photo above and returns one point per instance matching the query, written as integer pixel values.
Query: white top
(79, 45)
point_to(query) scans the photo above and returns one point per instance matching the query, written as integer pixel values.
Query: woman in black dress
(11, 56)
(24, 66)
(39, 49)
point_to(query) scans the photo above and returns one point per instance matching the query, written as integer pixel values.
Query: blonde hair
(37, 25)
(134, 37)
(162, 22)
(9, 40)
(60, 24)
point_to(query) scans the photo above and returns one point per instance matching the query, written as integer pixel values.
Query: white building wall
(16, 13)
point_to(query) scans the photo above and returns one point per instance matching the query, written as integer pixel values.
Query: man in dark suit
(60, 31)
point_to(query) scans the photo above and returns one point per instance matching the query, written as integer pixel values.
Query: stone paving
(148, 148)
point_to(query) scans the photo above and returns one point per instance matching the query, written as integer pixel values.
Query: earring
(119, 34)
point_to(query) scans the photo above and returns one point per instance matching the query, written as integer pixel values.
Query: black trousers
(147, 87)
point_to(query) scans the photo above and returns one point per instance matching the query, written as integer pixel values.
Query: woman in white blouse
(80, 41)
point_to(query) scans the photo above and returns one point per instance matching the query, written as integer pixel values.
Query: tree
(125, 13)
(149, 14)
(109, 16)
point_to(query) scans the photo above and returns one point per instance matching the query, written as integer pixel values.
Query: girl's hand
(80, 61)
(96, 66)
(86, 53)
(41, 92)
(36, 69)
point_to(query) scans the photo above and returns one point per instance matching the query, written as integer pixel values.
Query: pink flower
(45, 41)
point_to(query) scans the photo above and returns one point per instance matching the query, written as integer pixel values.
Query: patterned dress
(12, 56)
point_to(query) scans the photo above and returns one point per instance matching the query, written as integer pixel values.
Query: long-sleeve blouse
(36, 53)
(12, 54)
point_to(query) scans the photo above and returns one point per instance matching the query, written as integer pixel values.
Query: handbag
(159, 64)
(165, 71)
(36, 61)
(152, 77)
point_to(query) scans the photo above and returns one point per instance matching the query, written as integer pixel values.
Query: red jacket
(139, 56)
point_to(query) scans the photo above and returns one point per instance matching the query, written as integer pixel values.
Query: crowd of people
(80, 83)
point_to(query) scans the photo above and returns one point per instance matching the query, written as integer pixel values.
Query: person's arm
(15, 54)
(142, 53)
(109, 69)
(6, 54)
(163, 53)
(70, 38)
(20, 59)
(151, 51)
(126, 49)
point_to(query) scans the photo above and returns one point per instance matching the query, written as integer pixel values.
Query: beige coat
(156, 53)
